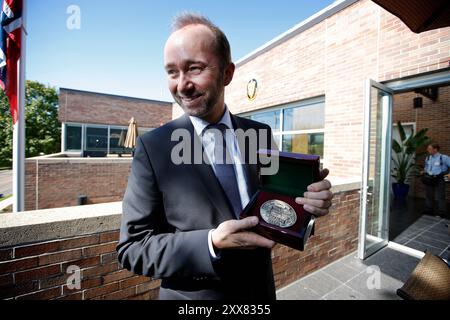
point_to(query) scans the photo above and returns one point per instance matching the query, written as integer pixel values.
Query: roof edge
(318, 17)
(116, 96)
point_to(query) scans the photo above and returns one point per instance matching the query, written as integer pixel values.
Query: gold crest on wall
(252, 89)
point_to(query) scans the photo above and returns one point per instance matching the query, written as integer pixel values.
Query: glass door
(374, 215)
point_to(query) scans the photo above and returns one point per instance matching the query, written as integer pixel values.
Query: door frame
(433, 78)
(386, 154)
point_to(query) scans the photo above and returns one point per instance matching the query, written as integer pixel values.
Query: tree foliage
(42, 128)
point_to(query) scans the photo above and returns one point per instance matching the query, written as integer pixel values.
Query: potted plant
(405, 152)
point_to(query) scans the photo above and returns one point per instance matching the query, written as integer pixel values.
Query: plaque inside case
(274, 203)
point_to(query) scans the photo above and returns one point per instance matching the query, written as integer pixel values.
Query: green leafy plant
(405, 152)
(42, 127)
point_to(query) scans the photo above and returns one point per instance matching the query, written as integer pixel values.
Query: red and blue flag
(10, 45)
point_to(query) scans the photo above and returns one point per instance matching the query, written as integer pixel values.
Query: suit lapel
(205, 173)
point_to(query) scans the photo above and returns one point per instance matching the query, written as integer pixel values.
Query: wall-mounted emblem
(252, 89)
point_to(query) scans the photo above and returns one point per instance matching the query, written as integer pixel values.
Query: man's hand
(233, 234)
(317, 200)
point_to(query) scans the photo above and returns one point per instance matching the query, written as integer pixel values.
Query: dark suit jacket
(168, 211)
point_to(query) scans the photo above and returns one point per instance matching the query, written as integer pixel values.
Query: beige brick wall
(333, 58)
(87, 107)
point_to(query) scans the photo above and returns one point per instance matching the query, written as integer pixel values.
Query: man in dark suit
(180, 220)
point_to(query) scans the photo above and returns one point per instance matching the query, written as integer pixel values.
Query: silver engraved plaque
(278, 213)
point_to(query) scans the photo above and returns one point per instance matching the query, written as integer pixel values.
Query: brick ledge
(51, 224)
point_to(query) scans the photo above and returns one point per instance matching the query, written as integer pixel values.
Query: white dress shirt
(233, 148)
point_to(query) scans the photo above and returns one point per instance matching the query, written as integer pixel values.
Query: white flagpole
(19, 127)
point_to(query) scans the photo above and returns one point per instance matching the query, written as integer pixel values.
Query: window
(73, 137)
(116, 140)
(304, 118)
(271, 118)
(142, 131)
(304, 143)
(96, 139)
(297, 128)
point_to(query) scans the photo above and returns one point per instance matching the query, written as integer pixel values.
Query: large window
(97, 138)
(298, 127)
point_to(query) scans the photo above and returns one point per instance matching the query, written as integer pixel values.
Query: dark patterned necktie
(224, 167)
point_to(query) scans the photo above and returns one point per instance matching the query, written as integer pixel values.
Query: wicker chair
(430, 280)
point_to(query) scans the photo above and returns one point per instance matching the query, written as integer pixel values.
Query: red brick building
(92, 125)
(94, 122)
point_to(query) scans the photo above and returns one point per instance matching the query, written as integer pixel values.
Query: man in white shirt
(437, 166)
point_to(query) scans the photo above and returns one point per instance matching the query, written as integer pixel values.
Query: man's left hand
(318, 199)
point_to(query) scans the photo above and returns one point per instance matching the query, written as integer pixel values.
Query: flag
(10, 45)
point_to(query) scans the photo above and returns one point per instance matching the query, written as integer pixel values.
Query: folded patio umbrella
(132, 134)
(419, 15)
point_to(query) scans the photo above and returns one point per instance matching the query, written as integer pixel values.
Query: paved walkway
(352, 279)
(6, 182)
(428, 233)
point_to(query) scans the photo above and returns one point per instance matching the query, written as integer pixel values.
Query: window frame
(64, 138)
(281, 108)
(85, 126)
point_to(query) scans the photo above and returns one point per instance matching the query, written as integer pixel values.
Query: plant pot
(401, 191)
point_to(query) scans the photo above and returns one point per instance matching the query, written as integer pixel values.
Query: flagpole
(19, 127)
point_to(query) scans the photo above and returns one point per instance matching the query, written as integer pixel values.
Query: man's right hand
(234, 234)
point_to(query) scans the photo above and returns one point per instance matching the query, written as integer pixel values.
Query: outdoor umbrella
(132, 134)
(419, 15)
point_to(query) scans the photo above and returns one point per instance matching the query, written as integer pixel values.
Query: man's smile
(191, 99)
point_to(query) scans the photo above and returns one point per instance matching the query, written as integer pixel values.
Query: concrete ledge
(78, 160)
(45, 225)
(343, 185)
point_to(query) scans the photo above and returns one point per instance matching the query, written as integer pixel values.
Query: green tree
(42, 128)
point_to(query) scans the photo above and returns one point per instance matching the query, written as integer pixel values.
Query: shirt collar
(436, 155)
(200, 124)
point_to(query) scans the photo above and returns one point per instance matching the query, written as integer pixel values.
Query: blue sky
(119, 47)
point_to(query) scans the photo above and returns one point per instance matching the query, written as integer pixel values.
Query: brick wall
(39, 270)
(55, 183)
(87, 107)
(434, 115)
(334, 58)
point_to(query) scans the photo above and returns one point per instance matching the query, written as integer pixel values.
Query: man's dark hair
(223, 48)
(436, 146)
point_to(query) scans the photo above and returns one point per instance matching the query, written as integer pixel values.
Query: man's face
(431, 151)
(195, 78)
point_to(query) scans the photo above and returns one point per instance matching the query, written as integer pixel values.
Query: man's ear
(228, 74)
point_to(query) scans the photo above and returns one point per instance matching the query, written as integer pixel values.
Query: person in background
(437, 167)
